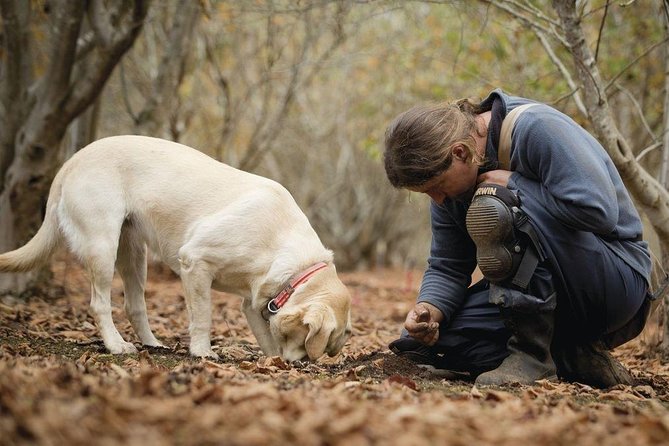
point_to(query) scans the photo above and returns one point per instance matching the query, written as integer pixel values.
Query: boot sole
(483, 224)
(512, 381)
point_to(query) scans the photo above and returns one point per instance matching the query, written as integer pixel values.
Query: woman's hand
(422, 323)
(498, 176)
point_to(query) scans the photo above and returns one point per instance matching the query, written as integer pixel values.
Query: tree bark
(32, 140)
(650, 196)
(83, 130)
(664, 168)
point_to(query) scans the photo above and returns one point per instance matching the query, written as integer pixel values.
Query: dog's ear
(291, 321)
(321, 324)
(335, 345)
(291, 324)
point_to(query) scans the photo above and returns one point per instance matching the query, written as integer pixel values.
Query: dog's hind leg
(91, 214)
(131, 266)
(100, 266)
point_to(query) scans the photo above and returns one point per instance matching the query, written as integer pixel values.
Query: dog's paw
(208, 354)
(155, 344)
(122, 348)
(158, 349)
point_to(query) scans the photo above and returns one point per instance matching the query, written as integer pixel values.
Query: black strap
(526, 268)
(533, 251)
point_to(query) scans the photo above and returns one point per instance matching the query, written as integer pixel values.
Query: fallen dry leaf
(59, 386)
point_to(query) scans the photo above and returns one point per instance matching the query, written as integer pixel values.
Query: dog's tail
(38, 250)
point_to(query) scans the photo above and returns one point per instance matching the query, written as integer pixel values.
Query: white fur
(212, 224)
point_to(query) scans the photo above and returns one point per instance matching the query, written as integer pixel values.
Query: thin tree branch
(100, 23)
(85, 45)
(12, 62)
(15, 76)
(527, 21)
(664, 168)
(530, 9)
(647, 150)
(227, 104)
(563, 70)
(169, 69)
(638, 109)
(83, 91)
(125, 95)
(601, 28)
(257, 145)
(62, 55)
(257, 151)
(633, 62)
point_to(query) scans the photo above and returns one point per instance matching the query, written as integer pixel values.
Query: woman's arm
(561, 164)
(452, 260)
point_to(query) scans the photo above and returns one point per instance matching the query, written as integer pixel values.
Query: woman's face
(456, 182)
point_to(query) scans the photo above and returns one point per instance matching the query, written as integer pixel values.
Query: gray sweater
(557, 165)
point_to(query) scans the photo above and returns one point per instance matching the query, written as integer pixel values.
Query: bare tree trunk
(44, 108)
(14, 77)
(83, 130)
(664, 168)
(650, 195)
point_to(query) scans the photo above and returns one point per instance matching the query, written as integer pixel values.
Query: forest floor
(59, 387)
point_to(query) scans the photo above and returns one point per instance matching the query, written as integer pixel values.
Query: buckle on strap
(275, 304)
(272, 308)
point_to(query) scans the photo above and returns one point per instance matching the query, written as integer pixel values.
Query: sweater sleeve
(451, 263)
(559, 163)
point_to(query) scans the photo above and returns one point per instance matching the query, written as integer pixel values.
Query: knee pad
(491, 225)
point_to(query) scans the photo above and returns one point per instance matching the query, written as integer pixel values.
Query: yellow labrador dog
(214, 225)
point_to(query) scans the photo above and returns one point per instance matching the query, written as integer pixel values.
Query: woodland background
(301, 91)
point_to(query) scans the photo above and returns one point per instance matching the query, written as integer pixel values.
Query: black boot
(529, 347)
(590, 364)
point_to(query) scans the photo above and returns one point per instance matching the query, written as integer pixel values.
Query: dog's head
(316, 320)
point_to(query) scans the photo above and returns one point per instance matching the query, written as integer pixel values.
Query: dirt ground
(59, 387)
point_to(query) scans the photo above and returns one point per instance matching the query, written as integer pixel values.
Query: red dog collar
(280, 299)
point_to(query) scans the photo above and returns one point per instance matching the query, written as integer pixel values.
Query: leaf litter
(59, 386)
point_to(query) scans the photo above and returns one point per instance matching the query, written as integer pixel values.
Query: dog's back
(160, 187)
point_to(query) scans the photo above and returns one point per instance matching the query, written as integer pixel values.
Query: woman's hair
(419, 142)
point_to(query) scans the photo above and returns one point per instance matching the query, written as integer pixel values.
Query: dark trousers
(593, 291)
(597, 292)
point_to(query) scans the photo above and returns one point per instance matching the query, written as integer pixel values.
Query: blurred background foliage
(301, 91)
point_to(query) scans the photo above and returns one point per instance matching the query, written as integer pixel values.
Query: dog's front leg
(196, 281)
(260, 329)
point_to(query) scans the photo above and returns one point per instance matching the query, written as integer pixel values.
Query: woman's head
(419, 143)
